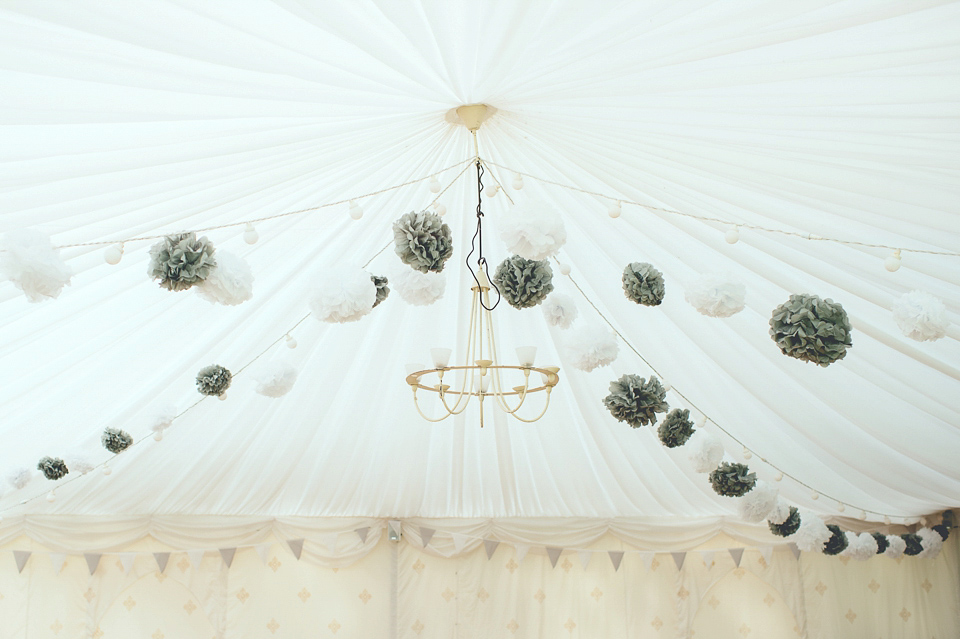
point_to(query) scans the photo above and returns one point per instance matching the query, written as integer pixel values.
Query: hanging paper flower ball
(732, 480)
(860, 547)
(163, 418)
(921, 316)
(643, 284)
(837, 541)
(812, 533)
(382, 289)
(716, 296)
(931, 542)
(882, 542)
(533, 229)
(276, 378)
(636, 400)
(419, 289)
(560, 310)
(116, 440)
(914, 546)
(53, 468)
(20, 477)
(213, 380)
(706, 451)
(676, 428)
(788, 526)
(180, 261)
(422, 241)
(758, 502)
(78, 464)
(591, 346)
(230, 283)
(896, 547)
(29, 261)
(523, 283)
(779, 512)
(811, 329)
(343, 295)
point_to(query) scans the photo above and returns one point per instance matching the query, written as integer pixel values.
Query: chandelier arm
(546, 405)
(429, 419)
(502, 401)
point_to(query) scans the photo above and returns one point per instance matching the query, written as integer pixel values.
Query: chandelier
(481, 374)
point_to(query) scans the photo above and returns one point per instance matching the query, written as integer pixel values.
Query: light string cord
(477, 240)
(713, 421)
(707, 218)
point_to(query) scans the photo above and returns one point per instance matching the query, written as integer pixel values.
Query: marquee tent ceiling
(125, 119)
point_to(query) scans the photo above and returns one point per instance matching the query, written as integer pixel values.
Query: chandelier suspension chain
(477, 241)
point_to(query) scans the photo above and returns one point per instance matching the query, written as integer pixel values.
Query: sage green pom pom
(882, 542)
(422, 241)
(732, 480)
(676, 428)
(789, 526)
(180, 261)
(635, 400)
(914, 544)
(811, 329)
(837, 542)
(643, 284)
(213, 380)
(116, 440)
(382, 289)
(53, 468)
(524, 283)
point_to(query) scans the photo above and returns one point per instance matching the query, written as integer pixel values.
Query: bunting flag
(490, 545)
(737, 554)
(196, 557)
(678, 558)
(264, 551)
(161, 558)
(227, 554)
(522, 550)
(362, 533)
(795, 550)
(426, 534)
(707, 558)
(554, 555)
(330, 541)
(647, 558)
(459, 541)
(616, 556)
(766, 552)
(57, 559)
(93, 560)
(21, 556)
(126, 560)
(394, 528)
(585, 557)
(296, 547)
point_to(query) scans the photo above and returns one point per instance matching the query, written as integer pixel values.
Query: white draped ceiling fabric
(142, 118)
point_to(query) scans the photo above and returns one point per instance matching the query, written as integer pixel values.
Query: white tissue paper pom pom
(28, 259)
(20, 477)
(343, 295)
(78, 464)
(758, 502)
(716, 296)
(276, 378)
(163, 418)
(779, 513)
(591, 346)
(705, 451)
(230, 283)
(861, 547)
(419, 289)
(812, 534)
(921, 316)
(560, 310)
(533, 230)
(931, 541)
(896, 546)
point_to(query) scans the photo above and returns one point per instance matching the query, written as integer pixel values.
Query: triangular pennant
(554, 555)
(426, 534)
(707, 558)
(394, 528)
(490, 545)
(296, 547)
(126, 560)
(647, 558)
(678, 558)
(196, 557)
(362, 533)
(227, 555)
(766, 552)
(161, 558)
(57, 559)
(737, 554)
(21, 557)
(795, 550)
(616, 556)
(93, 560)
(330, 541)
(585, 557)
(522, 550)
(459, 541)
(264, 551)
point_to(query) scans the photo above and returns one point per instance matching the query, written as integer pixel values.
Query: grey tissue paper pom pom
(382, 289)
(837, 542)
(213, 380)
(732, 480)
(789, 525)
(116, 440)
(53, 468)
(811, 329)
(676, 428)
(422, 241)
(643, 284)
(914, 545)
(180, 261)
(882, 542)
(635, 400)
(524, 283)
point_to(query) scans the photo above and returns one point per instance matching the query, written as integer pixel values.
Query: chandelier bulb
(291, 343)
(892, 263)
(564, 268)
(440, 209)
(434, 185)
(815, 496)
(250, 235)
(517, 182)
(113, 254)
(746, 453)
(614, 210)
(778, 477)
(732, 236)
(51, 497)
(355, 211)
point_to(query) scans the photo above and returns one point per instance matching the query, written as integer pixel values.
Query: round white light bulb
(440, 209)
(250, 235)
(107, 470)
(291, 343)
(517, 182)
(564, 269)
(222, 396)
(51, 497)
(841, 507)
(892, 263)
(113, 254)
(779, 477)
(666, 385)
(886, 520)
(157, 436)
(815, 496)
(434, 185)
(863, 514)
(355, 211)
(746, 453)
(732, 236)
(614, 210)
(491, 190)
